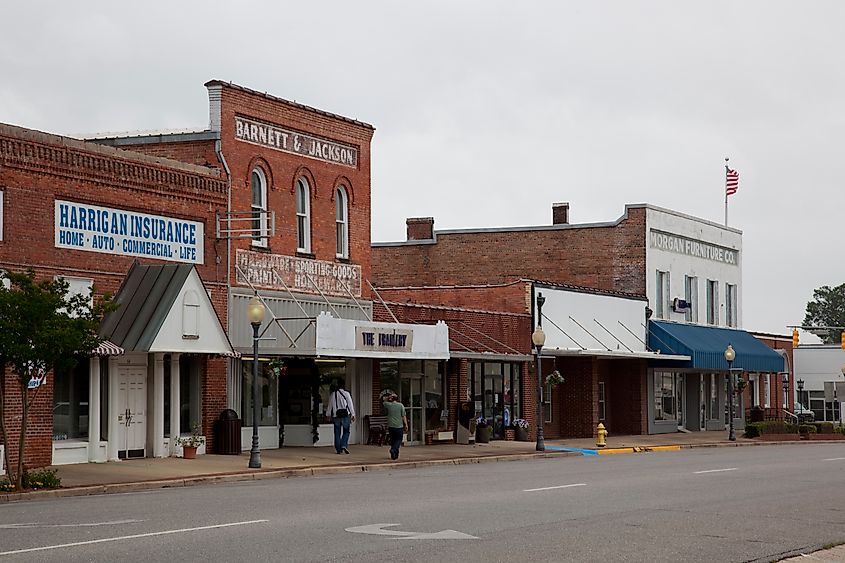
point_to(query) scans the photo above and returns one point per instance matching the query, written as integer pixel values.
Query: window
(190, 316)
(547, 404)
(303, 216)
(267, 393)
(190, 393)
(767, 391)
(730, 305)
(665, 396)
(342, 223)
(816, 403)
(1, 214)
(661, 296)
(495, 389)
(70, 402)
(259, 208)
(714, 397)
(602, 402)
(79, 286)
(712, 302)
(691, 297)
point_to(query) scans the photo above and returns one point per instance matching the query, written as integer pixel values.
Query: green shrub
(752, 430)
(41, 479)
(838, 430)
(807, 429)
(823, 427)
(756, 429)
(6, 486)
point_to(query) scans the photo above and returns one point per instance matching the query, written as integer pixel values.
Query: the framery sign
(298, 274)
(287, 140)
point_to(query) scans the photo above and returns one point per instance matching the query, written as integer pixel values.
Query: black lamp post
(255, 314)
(800, 384)
(538, 338)
(730, 355)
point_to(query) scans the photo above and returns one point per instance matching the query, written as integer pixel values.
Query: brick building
(296, 234)
(660, 257)
(91, 214)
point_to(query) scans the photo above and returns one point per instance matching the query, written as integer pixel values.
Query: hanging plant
(554, 379)
(740, 384)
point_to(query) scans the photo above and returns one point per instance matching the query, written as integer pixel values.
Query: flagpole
(726, 191)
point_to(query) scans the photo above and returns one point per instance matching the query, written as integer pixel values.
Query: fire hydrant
(601, 436)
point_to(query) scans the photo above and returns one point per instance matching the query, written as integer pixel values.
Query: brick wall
(514, 297)
(201, 153)
(604, 257)
(39, 435)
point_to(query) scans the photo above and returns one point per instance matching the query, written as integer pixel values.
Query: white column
(115, 427)
(175, 403)
(158, 406)
(94, 453)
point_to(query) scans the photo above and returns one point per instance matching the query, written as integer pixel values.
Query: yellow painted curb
(640, 449)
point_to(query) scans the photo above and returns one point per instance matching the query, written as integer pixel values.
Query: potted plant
(521, 426)
(482, 430)
(192, 442)
(554, 379)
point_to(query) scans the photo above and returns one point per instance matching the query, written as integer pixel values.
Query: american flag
(731, 181)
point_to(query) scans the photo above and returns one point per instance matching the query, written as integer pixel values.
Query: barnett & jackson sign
(691, 247)
(298, 274)
(286, 140)
(92, 228)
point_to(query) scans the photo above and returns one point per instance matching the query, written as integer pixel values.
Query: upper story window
(342, 223)
(1, 214)
(661, 295)
(730, 305)
(79, 286)
(712, 302)
(691, 297)
(259, 207)
(303, 216)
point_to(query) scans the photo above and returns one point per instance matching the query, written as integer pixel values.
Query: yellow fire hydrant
(601, 436)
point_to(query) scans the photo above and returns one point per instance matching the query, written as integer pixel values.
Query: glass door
(410, 393)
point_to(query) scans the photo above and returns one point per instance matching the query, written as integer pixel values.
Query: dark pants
(395, 441)
(341, 433)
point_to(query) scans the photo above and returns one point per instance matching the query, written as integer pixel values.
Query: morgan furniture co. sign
(298, 274)
(81, 226)
(286, 140)
(691, 247)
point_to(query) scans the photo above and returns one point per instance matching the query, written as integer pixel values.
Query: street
(706, 504)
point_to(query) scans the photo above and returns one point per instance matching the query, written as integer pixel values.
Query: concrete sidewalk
(123, 476)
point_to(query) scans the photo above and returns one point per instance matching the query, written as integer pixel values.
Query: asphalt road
(713, 504)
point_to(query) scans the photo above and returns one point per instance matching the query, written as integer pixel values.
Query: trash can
(228, 433)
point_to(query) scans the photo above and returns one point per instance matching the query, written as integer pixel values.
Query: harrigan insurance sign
(115, 231)
(276, 271)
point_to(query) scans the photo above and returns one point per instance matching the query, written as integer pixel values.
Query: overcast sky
(487, 112)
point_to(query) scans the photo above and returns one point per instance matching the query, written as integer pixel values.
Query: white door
(131, 412)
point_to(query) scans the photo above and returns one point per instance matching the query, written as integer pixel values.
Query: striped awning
(107, 348)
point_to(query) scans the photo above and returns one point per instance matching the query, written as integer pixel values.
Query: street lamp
(786, 391)
(800, 384)
(255, 315)
(730, 356)
(538, 338)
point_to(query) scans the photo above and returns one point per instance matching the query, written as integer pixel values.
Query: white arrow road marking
(133, 536)
(377, 529)
(21, 525)
(715, 470)
(557, 487)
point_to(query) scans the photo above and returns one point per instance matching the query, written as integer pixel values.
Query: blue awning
(706, 346)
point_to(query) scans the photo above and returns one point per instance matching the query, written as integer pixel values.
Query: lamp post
(255, 314)
(800, 384)
(730, 355)
(538, 338)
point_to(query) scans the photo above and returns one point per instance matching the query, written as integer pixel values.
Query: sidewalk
(149, 473)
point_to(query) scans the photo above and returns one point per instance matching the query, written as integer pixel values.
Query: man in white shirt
(342, 412)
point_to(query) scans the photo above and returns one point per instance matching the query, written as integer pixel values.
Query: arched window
(259, 207)
(303, 216)
(342, 222)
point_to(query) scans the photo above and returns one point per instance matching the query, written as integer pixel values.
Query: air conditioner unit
(680, 306)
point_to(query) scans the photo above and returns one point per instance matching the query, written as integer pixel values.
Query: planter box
(825, 437)
(793, 437)
(482, 435)
(510, 434)
(522, 434)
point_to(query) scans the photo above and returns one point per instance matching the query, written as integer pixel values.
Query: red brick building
(86, 213)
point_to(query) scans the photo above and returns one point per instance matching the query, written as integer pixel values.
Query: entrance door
(680, 397)
(131, 412)
(410, 393)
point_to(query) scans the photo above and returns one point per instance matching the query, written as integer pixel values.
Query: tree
(827, 309)
(42, 329)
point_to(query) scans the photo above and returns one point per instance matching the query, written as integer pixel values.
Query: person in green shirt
(397, 422)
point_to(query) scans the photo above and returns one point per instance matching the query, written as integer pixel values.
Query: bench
(376, 430)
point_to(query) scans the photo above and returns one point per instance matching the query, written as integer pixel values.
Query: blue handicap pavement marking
(576, 450)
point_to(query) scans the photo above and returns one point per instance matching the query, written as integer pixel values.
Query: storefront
(693, 394)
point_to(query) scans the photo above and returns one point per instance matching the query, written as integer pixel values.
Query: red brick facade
(35, 170)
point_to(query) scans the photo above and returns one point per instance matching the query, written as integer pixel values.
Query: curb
(313, 471)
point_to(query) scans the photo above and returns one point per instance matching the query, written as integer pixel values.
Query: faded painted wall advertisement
(276, 271)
